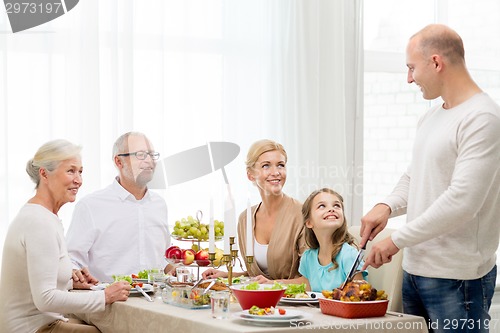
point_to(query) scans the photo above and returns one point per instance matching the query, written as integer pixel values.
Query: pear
(218, 256)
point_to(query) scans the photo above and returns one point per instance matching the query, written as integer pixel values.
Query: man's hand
(82, 285)
(380, 253)
(82, 279)
(374, 222)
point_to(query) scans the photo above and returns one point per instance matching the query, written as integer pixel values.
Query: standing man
(123, 228)
(450, 192)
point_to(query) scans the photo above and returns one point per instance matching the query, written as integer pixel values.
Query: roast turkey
(356, 291)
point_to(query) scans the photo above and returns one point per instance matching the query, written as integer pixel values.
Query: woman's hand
(170, 269)
(262, 279)
(212, 273)
(118, 291)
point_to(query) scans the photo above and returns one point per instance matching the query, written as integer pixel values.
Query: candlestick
(211, 228)
(229, 217)
(249, 243)
(226, 243)
(230, 260)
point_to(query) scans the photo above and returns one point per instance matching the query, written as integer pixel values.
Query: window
(392, 106)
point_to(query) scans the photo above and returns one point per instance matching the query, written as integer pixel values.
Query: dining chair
(388, 277)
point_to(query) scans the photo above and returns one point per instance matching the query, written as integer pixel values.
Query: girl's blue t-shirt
(319, 276)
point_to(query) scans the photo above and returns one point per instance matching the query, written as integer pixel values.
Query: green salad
(256, 286)
(295, 289)
(236, 280)
(144, 273)
(122, 278)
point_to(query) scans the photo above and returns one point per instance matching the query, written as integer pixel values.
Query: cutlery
(312, 305)
(197, 283)
(144, 293)
(353, 270)
(209, 286)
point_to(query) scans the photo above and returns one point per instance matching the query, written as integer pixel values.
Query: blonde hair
(339, 237)
(49, 156)
(260, 147)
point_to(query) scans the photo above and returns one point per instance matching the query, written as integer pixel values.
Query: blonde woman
(277, 220)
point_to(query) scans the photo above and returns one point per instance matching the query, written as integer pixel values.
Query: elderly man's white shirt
(114, 233)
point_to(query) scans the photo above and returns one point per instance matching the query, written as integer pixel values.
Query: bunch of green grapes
(218, 228)
(189, 228)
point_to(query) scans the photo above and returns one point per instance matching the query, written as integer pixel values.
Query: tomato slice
(135, 276)
(282, 311)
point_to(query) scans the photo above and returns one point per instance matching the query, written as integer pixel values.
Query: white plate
(100, 286)
(267, 321)
(146, 287)
(303, 300)
(290, 314)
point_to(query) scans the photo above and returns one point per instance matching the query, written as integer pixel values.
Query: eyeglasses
(141, 155)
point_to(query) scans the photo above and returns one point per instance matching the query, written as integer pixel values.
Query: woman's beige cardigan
(286, 244)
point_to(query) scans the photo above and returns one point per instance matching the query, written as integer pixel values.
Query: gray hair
(49, 156)
(121, 144)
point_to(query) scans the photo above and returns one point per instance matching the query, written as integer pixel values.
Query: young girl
(332, 252)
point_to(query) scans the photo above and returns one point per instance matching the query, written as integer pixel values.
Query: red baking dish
(353, 309)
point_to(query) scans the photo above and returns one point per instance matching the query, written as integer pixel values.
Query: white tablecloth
(138, 315)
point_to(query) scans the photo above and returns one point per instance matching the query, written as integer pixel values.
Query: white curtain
(186, 72)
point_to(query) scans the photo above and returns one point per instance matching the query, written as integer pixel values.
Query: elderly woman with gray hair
(36, 268)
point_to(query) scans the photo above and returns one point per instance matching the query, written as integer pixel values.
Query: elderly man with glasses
(123, 228)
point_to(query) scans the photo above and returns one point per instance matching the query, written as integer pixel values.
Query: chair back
(388, 277)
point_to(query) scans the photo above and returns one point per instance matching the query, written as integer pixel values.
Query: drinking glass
(183, 274)
(219, 302)
(152, 272)
(157, 280)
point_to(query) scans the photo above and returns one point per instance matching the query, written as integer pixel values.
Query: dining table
(139, 315)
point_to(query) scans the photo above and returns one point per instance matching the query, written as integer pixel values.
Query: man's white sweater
(451, 193)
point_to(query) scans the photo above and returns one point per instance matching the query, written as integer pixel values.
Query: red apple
(187, 256)
(169, 250)
(201, 258)
(174, 253)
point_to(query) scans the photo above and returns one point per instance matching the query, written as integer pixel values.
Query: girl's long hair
(339, 237)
